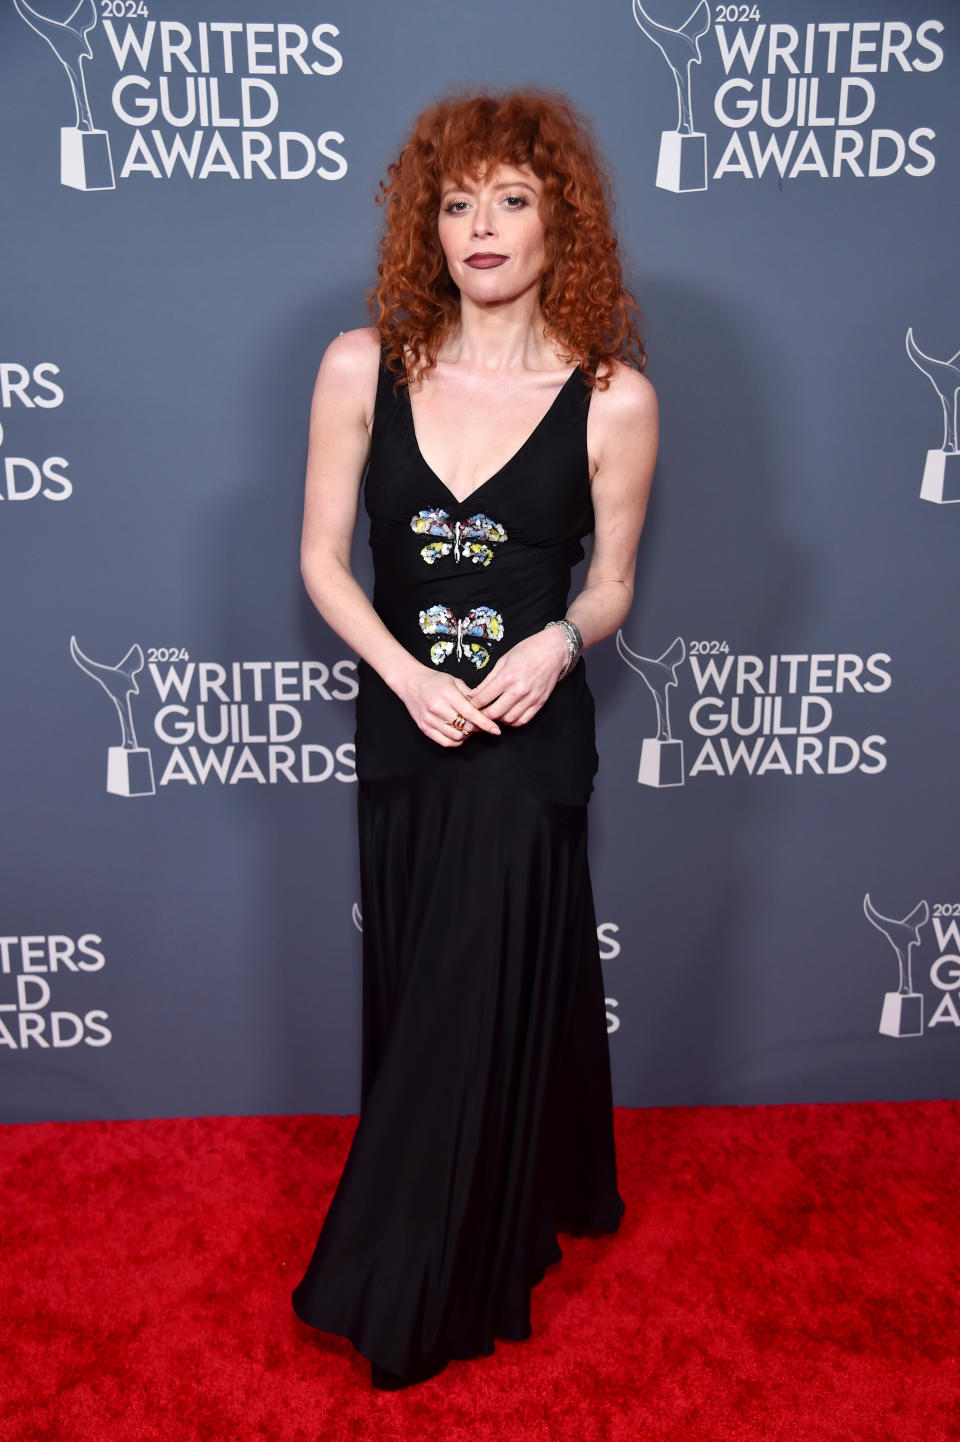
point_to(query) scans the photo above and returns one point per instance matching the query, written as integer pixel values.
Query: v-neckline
(516, 455)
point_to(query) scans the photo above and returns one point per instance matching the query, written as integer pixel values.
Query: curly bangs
(589, 314)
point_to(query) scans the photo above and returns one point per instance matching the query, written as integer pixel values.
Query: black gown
(486, 1119)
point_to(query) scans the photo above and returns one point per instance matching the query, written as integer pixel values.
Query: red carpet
(785, 1272)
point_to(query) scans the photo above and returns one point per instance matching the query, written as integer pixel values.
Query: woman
(500, 412)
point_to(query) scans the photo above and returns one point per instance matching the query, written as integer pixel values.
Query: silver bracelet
(574, 644)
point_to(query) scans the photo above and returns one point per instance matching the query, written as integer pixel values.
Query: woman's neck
(504, 337)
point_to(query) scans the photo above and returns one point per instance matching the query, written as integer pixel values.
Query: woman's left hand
(523, 677)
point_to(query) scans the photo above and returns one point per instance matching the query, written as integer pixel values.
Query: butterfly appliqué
(483, 622)
(471, 538)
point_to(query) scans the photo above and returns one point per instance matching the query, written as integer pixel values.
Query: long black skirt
(486, 1110)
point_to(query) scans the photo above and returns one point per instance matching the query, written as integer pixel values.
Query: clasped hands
(513, 692)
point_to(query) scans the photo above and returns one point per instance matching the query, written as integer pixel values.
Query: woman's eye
(455, 207)
(516, 202)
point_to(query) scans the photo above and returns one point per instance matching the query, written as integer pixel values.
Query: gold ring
(459, 721)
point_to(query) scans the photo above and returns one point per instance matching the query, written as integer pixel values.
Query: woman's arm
(341, 417)
(622, 437)
(623, 450)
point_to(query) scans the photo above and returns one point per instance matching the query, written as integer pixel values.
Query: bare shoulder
(349, 369)
(629, 399)
(353, 352)
(623, 420)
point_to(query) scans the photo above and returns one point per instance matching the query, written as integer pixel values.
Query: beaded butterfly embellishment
(483, 622)
(472, 538)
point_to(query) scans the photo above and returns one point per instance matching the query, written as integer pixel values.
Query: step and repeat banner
(189, 219)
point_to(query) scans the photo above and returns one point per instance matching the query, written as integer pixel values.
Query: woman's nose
(483, 220)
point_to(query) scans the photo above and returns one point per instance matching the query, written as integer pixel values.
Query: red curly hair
(589, 314)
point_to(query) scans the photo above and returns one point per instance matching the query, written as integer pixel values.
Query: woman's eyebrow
(504, 185)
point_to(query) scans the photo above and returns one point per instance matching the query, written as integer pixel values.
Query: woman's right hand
(434, 699)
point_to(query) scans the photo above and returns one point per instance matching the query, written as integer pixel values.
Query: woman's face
(492, 236)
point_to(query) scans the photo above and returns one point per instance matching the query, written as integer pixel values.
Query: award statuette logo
(661, 757)
(683, 152)
(85, 160)
(902, 1013)
(941, 474)
(129, 767)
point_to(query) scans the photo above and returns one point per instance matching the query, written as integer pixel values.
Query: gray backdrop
(195, 950)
